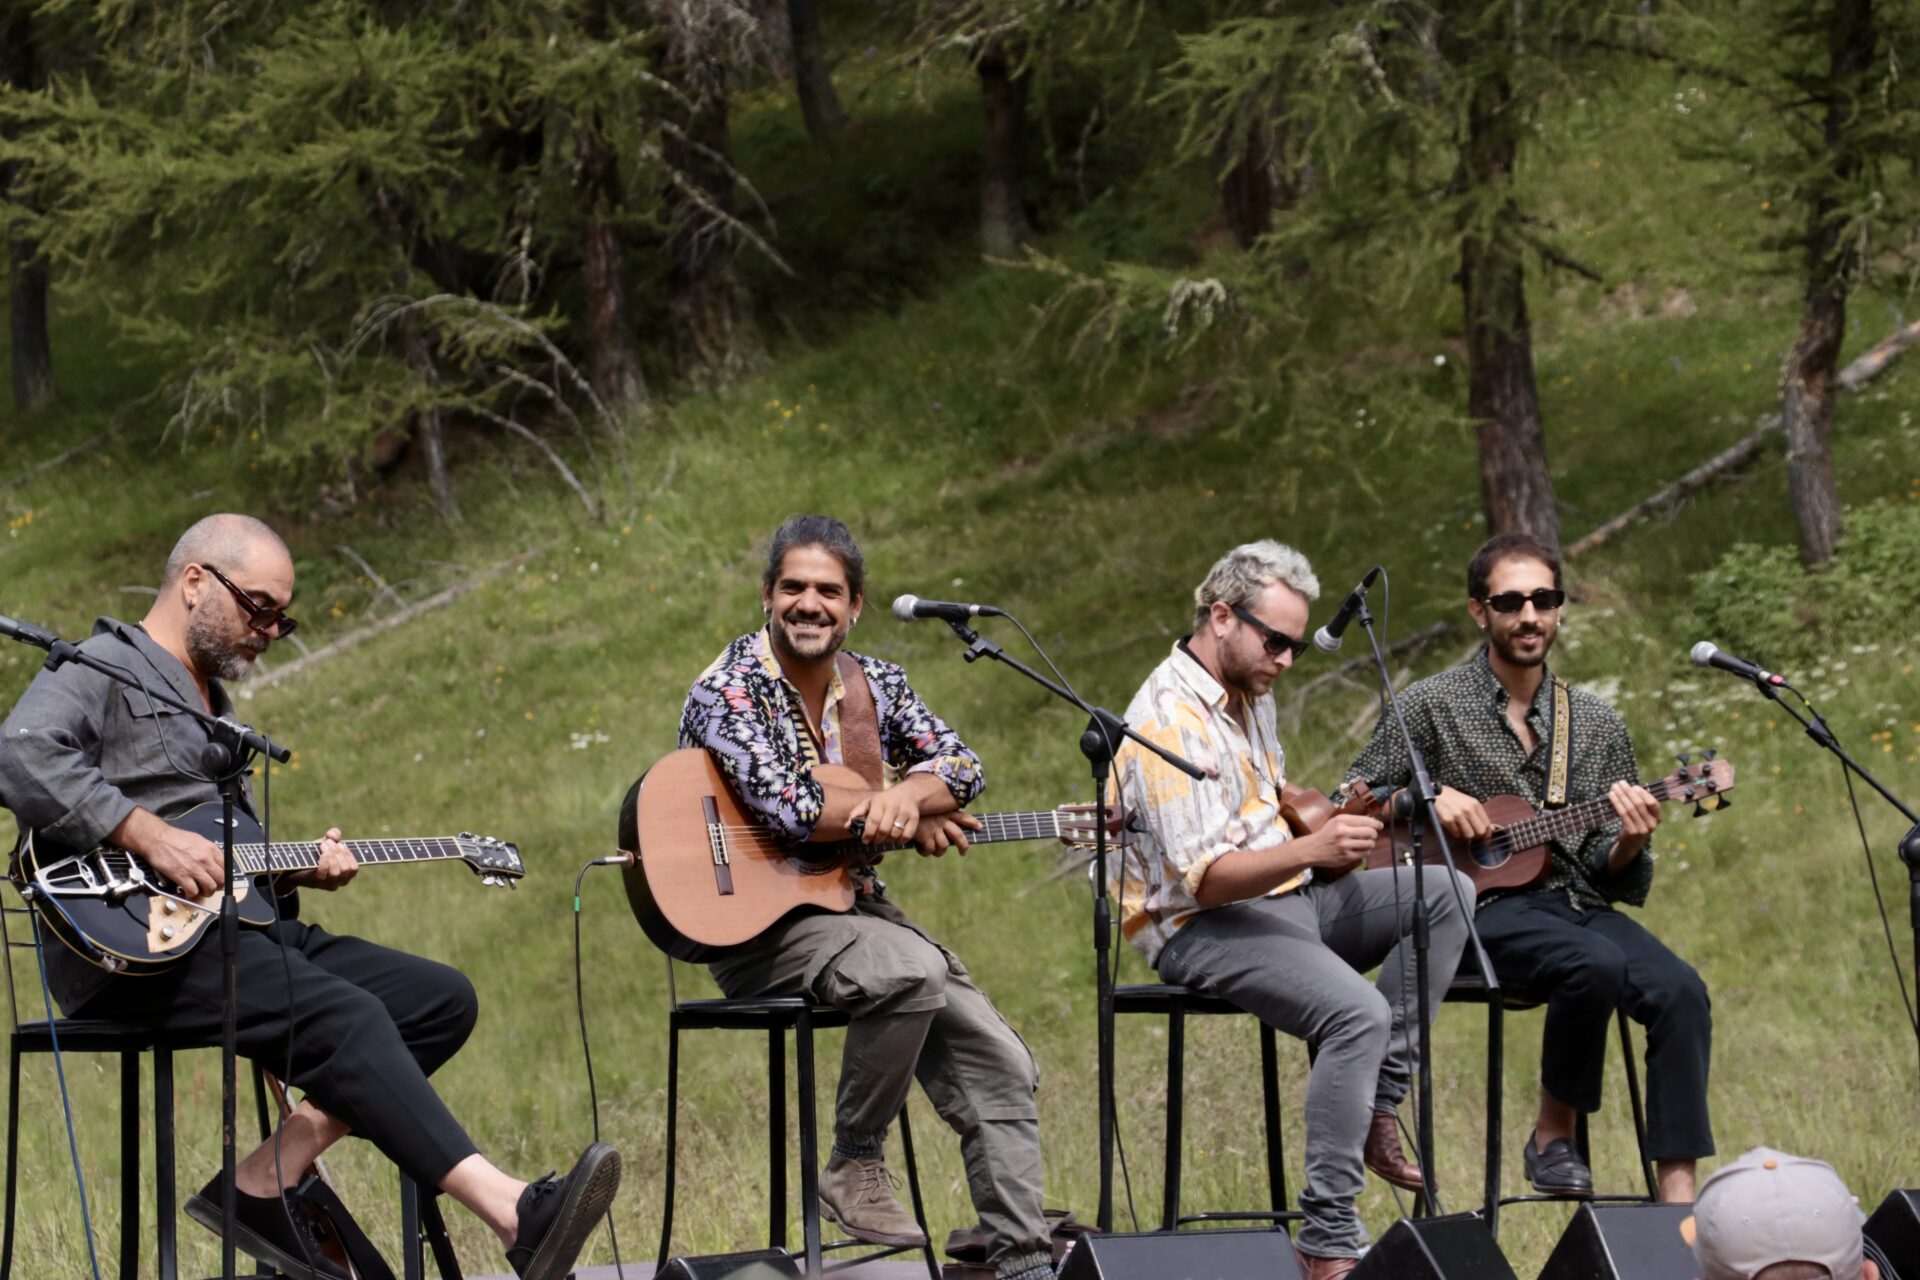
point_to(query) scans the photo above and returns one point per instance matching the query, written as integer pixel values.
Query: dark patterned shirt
(753, 722)
(1458, 719)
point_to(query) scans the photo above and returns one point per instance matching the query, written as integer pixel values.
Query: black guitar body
(114, 910)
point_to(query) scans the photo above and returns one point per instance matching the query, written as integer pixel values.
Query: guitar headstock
(1079, 826)
(1698, 781)
(495, 861)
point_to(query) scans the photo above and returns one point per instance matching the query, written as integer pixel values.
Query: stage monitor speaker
(1894, 1229)
(1183, 1255)
(761, 1264)
(1624, 1242)
(1455, 1246)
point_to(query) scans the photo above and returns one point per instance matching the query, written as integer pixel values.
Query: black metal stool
(1469, 989)
(1175, 1003)
(776, 1015)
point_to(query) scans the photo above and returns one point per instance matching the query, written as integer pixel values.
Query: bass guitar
(706, 874)
(1517, 854)
(115, 911)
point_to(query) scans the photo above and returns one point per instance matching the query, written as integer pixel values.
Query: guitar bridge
(717, 843)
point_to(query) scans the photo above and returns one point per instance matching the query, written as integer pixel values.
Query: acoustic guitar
(116, 912)
(708, 874)
(1516, 855)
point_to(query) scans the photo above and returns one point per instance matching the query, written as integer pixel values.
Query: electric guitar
(116, 912)
(707, 874)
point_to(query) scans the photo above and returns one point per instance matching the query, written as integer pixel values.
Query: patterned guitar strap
(1560, 735)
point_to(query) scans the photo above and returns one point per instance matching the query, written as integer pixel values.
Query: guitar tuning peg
(1699, 809)
(1710, 753)
(1682, 758)
(1687, 794)
(1722, 802)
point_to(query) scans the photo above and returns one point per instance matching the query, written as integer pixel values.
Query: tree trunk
(1003, 217)
(1808, 383)
(819, 104)
(1503, 403)
(26, 268)
(613, 360)
(1254, 184)
(715, 338)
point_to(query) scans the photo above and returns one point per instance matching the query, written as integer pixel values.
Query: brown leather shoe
(1384, 1155)
(1314, 1268)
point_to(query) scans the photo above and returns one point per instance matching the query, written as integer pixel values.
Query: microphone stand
(226, 758)
(1909, 847)
(1098, 743)
(1421, 817)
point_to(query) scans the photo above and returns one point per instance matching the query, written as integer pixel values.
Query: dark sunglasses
(263, 618)
(1277, 642)
(1545, 600)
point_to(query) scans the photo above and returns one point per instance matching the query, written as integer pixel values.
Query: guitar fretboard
(258, 859)
(1575, 819)
(1038, 825)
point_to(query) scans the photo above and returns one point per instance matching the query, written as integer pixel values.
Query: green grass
(1089, 506)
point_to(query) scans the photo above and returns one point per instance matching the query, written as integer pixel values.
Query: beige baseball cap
(1769, 1207)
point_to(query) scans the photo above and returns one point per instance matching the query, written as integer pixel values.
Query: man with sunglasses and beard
(1487, 728)
(357, 1027)
(1219, 895)
(775, 703)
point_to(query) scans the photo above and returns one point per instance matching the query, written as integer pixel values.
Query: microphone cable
(586, 1047)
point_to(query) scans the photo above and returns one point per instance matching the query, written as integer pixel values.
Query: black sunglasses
(263, 618)
(1277, 642)
(1544, 600)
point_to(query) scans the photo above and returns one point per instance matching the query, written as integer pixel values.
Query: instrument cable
(66, 1103)
(586, 1048)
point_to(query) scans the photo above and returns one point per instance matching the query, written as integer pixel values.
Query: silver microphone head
(1325, 641)
(903, 607)
(1703, 653)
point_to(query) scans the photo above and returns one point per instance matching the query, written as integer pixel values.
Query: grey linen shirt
(80, 752)
(1458, 719)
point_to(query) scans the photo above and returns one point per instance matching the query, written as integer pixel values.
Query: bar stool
(1175, 1003)
(776, 1015)
(1468, 988)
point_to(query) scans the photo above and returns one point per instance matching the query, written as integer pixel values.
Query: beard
(1248, 679)
(820, 644)
(1504, 644)
(217, 656)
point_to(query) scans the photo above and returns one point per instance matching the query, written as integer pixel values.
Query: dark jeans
(370, 1024)
(1587, 964)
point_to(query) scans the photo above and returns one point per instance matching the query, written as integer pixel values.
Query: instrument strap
(1560, 734)
(859, 724)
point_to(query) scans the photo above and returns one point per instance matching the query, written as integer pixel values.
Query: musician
(85, 760)
(772, 705)
(1220, 896)
(1486, 728)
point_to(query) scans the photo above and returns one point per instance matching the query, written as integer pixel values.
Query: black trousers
(1587, 964)
(370, 1024)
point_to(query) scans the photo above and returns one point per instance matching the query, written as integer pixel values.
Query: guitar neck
(994, 827)
(1575, 819)
(257, 859)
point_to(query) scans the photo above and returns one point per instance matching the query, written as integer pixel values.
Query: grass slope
(1090, 506)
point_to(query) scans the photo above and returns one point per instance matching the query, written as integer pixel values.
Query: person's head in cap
(1771, 1216)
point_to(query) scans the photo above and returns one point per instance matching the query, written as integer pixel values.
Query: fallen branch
(399, 618)
(381, 586)
(1344, 673)
(64, 455)
(1857, 374)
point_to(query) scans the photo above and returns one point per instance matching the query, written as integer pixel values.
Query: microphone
(1327, 638)
(1708, 654)
(908, 607)
(26, 633)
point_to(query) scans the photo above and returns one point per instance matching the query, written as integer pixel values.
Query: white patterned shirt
(1184, 825)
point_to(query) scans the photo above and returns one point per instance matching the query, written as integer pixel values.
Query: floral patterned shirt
(1458, 719)
(1186, 825)
(753, 722)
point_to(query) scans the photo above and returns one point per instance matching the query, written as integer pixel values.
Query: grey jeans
(1295, 963)
(916, 1013)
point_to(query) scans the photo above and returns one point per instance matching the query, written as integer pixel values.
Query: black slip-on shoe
(269, 1229)
(558, 1214)
(1559, 1170)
